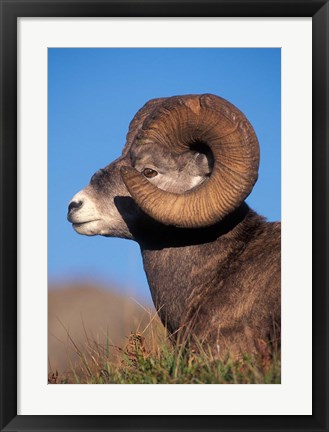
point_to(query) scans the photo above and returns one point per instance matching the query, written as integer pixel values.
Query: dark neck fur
(155, 236)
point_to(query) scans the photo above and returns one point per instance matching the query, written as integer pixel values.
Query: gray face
(105, 206)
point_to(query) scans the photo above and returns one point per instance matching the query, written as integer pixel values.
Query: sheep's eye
(148, 172)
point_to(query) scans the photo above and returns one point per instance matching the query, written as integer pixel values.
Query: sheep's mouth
(79, 224)
(88, 228)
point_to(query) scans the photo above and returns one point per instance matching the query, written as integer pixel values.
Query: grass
(149, 357)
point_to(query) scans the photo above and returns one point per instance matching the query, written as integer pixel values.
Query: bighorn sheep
(178, 189)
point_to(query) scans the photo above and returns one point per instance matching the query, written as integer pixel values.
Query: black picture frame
(12, 9)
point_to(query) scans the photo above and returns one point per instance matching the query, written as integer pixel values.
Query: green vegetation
(150, 358)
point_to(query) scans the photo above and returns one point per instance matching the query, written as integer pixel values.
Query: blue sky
(92, 96)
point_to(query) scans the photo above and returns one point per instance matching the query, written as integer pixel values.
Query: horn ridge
(178, 122)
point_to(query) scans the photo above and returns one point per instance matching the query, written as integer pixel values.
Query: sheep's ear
(204, 163)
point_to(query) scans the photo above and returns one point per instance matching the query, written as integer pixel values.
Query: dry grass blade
(143, 361)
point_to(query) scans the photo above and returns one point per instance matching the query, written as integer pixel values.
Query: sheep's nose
(75, 205)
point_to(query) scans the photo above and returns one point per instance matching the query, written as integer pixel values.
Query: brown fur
(226, 291)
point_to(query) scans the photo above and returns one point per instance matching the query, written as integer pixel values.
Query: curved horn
(137, 122)
(180, 122)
